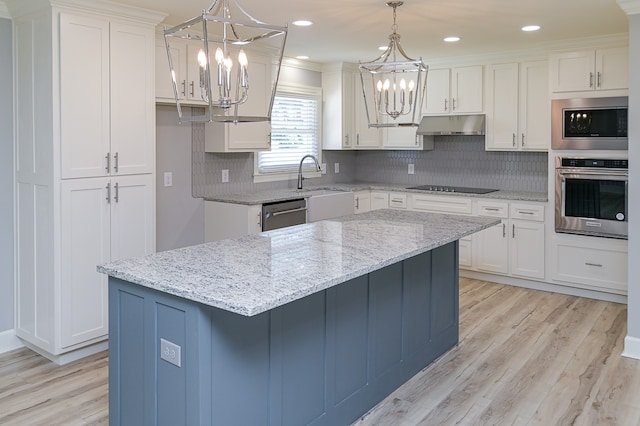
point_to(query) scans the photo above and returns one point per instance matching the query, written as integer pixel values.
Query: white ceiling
(351, 30)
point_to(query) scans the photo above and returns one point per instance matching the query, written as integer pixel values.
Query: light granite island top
(256, 273)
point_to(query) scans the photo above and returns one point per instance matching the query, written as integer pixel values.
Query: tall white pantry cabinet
(85, 163)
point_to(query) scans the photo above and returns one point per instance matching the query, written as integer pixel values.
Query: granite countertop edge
(276, 195)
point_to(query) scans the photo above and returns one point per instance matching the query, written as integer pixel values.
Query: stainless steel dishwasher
(284, 213)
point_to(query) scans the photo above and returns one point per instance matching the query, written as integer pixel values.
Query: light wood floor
(525, 358)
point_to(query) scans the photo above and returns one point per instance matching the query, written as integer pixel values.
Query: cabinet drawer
(527, 212)
(441, 204)
(603, 268)
(493, 209)
(397, 200)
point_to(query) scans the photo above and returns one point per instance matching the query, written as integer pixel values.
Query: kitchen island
(312, 324)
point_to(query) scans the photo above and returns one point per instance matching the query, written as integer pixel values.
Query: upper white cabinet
(338, 111)
(454, 90)
(106, 117)
(248, 136)
(185, 64)
(586, 70)
(365, 137)
(517, 109)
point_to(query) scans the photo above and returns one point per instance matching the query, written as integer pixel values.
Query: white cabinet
(228, 220)
(454, 90)
(338, 110)
(92, 69)
(106, 119)
(379, 200)
(103, 219)
(440, 204)
(397, 200)
(366, 137)
(248, 136)
(516, 245)
(362, 202)
(587, 70)
(518, 107)
(401, 138)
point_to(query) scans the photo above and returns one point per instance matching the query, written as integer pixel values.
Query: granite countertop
(275, 195)
(256, 273)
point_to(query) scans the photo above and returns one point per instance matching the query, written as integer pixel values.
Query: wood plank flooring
(525, 357)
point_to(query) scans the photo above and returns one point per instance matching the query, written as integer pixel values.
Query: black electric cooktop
(461, 189)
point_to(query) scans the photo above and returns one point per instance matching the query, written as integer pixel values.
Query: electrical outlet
(410, 169)
(168, 179)
(170, 352)
(225, 176)
(324, 168)
(336, 166)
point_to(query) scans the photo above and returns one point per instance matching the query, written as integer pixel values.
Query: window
(295, 132)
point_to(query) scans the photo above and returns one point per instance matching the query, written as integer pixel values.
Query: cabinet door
(534, 110)
(362, 202)
(132, 216)
(366, 137)
(437, 100)
(379, 200)
(526, 255)
(132, 99)
(401, 137)
(466, 89)
(84, 96)
(164, 86)
(502, 106)
(572, 72)
(84, 238)
(492, 249)
(612, 68)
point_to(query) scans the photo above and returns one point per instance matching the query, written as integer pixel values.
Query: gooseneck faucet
(300, 178)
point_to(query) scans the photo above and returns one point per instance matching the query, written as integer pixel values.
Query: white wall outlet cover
(225, 176)
(168, 179)
(170, 352)
(324, 168)
(336, 166)
(410, 169)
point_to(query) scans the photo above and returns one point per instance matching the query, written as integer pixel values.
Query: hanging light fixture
(393, 85)
(225, 39)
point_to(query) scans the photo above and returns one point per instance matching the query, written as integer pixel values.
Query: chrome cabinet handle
(357, 203)
(358, 139)
(269, 139)
(504, 230)
(524, 212)
(513, 231)
(445, 104)
(108, 197)
(514, 139)
(417, 139)
(260, 220)
(599, 79)
(453, 104)
(598, 265)
(523, 139)
(184, 87)
(108, 167)
(116, 197)
(492, 209)
(346, 140)
(590, 79)
(191, 90)
(301, 209)
(115, 163)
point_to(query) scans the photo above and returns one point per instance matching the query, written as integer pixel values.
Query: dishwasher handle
(301, 209)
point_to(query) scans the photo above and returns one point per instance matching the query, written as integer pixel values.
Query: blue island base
(325, 359)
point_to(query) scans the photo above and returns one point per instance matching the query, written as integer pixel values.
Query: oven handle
(578, 174)
(301, 209)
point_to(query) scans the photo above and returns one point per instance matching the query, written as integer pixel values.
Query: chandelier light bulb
(242, 59)
(219, 56)
(202, 59)
(386, 85)
(403, 85)
(379, 85)
(412, 85)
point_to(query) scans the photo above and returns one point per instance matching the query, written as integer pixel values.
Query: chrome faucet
(300, 178)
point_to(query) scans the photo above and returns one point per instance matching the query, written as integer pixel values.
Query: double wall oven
(592, 196)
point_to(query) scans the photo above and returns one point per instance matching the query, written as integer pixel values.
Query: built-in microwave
(590, 123)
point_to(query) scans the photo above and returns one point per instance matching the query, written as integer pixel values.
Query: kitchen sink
(328, 204)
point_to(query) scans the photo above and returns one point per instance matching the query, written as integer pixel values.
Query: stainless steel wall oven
(592, 196)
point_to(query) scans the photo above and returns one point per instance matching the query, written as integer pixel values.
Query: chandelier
(225, 37)
(393, 85)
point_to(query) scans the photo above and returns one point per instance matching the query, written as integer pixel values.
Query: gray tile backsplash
(458, 161)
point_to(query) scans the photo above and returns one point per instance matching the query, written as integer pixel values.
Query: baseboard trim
(68, 357)
(631, 347)
(9, 341)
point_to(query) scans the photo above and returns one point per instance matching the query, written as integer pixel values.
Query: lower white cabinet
(379, 200)
(103, 219)
(516, 245)
(228, 220)
(362, 201)
(397, 200)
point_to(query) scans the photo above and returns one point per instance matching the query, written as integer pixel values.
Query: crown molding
(630, 7)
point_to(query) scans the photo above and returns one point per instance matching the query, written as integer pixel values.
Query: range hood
(472, 124)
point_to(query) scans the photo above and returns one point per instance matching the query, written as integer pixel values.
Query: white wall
(6, 179)
(632, 342)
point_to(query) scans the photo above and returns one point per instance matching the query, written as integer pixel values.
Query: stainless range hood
(472, 124)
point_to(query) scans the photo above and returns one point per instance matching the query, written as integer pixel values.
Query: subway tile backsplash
(455, 160)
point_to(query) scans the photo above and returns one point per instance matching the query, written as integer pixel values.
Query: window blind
(295, 123)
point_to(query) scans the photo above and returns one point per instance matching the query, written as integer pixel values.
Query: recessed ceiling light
(302, 57)
(531, 28)
(302, 23)
(452, 39)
